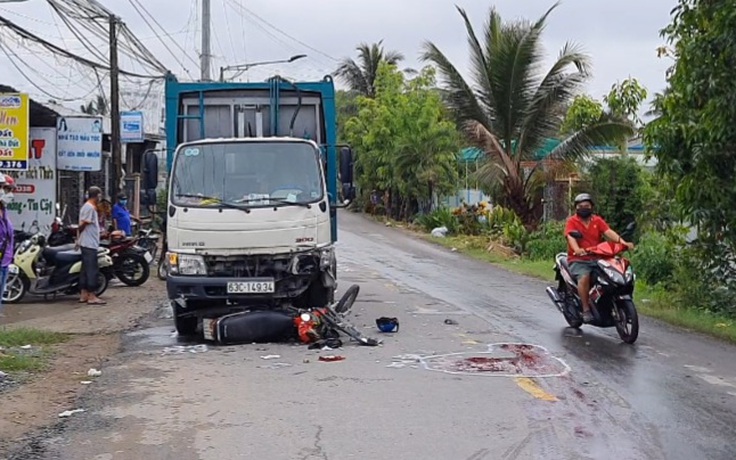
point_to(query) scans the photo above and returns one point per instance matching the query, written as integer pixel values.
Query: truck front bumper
(202, 288)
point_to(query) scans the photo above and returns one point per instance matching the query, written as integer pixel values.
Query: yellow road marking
(533, 389)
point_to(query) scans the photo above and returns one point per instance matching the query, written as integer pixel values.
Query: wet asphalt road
(670, 396)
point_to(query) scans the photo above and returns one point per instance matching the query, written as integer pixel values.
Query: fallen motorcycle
(315, 326)
(612, 287)
(41, 270)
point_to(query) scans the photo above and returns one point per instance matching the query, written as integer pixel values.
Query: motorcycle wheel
(163, 269)
(347, 300)
(627, 323)
(15, 289)
(103, 281)
(129, 265)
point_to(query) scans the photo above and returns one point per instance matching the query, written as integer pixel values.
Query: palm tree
(361, 76)
(510, 108)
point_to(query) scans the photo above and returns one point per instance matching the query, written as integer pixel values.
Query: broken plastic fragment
(270, 357)
(94, 372)
(68, 413)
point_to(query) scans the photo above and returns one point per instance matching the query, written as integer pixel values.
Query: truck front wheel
(185, 325)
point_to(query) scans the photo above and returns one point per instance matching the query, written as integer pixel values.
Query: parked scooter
(41, 270)
(612, 287)
(131, 263)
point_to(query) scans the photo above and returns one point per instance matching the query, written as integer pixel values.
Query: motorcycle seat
(72, 256)
(50, 252)
(68, 257)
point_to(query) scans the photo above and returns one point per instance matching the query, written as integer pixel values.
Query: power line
(15, 58)
(20, 31)
(166, 34)
(250, 12)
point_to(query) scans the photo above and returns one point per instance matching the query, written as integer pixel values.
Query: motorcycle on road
(612, 288)
(40, 270)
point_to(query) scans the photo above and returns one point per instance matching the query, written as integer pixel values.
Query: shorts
(582, 268)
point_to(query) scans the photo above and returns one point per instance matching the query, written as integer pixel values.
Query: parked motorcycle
(612, 288)
(62, 234)
(41, 270)
(131, 263)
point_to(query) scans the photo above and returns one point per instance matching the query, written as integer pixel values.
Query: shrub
(471, 217)
(696, 285)
(655, 258)
(441, 217)
(516, 236)
(546, 242)
(498, 219)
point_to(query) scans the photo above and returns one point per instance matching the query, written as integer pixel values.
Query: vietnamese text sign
(14, 120)
(35, 193)
(79, 144)
(131, 127)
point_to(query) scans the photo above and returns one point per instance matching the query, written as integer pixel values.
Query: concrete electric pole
(206, 56)
(115, 144)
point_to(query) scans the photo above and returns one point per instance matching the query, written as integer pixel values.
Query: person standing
(89, 241)
(7, 185)
(121, 215)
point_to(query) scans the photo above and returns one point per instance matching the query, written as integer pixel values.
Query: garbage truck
(251, 217)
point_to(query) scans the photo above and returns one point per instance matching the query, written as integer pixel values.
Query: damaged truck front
(251, 213)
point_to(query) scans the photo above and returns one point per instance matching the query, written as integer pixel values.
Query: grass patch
(651, 301)
(15, 359)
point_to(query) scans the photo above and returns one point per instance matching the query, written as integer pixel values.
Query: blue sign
(131, 127)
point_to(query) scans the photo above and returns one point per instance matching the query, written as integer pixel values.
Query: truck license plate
(250, 287)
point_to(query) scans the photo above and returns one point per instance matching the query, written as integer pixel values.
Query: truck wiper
(293, 203)
(219, 201)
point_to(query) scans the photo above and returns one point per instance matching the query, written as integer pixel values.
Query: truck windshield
(250, 174)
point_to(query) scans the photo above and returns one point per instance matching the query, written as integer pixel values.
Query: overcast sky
(621, 36)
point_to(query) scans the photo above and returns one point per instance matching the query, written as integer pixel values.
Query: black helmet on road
(584, 197)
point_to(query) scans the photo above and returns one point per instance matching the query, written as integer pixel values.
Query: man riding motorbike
(593, 228)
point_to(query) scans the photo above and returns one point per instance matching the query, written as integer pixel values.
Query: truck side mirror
(346, 173)
(346, 165)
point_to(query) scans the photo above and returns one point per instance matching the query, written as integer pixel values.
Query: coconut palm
(511, 106)
(361, 76)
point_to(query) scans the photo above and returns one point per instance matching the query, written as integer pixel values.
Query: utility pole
(116, 147)
(206, 57)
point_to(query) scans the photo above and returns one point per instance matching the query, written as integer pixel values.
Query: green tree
(510, 108)
(694, 139)
(583, 112)
(347, 107)
(361, 76)
(404, 145)
(620, 190)
(624, 99)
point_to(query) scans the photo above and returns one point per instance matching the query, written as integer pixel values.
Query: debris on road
(270, 357)
(69, 413)
(451, 322)
(25, 347)
(331, 358)
(274, 366)
(386, 324)
(94, 372)
(85, 382)
(201, 348)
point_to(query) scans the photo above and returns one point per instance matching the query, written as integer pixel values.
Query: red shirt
(592, 234)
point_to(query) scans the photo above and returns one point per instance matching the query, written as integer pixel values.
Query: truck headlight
(187, 264)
